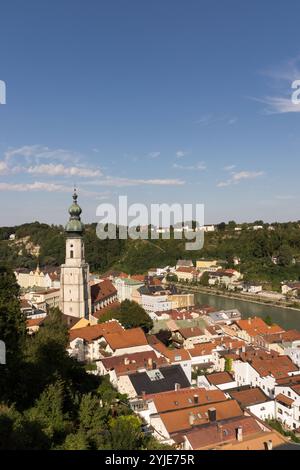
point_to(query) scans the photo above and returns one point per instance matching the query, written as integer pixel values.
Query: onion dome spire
(74, 226)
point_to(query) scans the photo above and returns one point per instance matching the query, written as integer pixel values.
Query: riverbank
(236, 296)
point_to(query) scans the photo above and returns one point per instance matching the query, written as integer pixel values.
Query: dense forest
(47, 399)
(255, 248)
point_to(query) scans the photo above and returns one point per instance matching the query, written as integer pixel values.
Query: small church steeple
(74, 226)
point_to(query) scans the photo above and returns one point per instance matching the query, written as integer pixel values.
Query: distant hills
(24, 245)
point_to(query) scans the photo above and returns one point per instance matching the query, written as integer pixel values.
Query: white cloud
(208, 119)
(37, 186)
(153, 154)
(3, 168)
(121, 182)
(199, 166)
(62, 170)
(239, 176)
(279, 105)
(181, 153)
(30, 159)
(48, 187)
(229, 167)
(282, 78)
(38, 152)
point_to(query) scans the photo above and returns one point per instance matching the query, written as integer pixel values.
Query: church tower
(75, 293)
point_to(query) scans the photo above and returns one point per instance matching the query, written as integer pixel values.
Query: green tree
(18, 433)
(204, 279)
(131, 315)
(125, 433)
(285, 255)
(228, 364)
(76, 441)
(91, 420)
(268, 320)
(13, 333)
(221, 227)
(49, 412)
(231, 225)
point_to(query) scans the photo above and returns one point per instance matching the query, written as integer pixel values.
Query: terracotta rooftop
(173, 355)
(218, 378)
(296, 388)
(251, 396)
(277, 367)
(185, 398)
(286, 401)
(93, 332)
(47, 291)
(133, 362)
(289, 381)
(222, 273)
(182, 420)
(25, 304)
(257, 353)
(102, 291)
(126, 338)
(191, 332)
(34, 322)
(202, 349)
(256, 326)
(99, 313)
(213, 434)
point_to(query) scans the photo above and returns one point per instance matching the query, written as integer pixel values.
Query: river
(285, 317)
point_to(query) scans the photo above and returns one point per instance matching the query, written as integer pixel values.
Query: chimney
(196, 399)
(212, 414)
(239, 434)
(249, 321)
(243, 349)
(150, 362)
(126, 361)
(269, 445)
(177, 386)
(191, 419)
(230, 345)
(143, 394)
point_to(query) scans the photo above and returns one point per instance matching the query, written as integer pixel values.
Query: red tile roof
(185, 398)
(102, 311)
(218, 378)
(34, 322)
(256, 326)
(284, 400)
(202, 349)
(93, 332)
(180, 420)
(191, 332)
(217, 433)
(251, 396)
(172, 355)
(126, 339)
(102, 291)
(278, 367)
(132, 362)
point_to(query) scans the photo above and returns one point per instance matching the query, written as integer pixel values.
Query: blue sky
(162, 101)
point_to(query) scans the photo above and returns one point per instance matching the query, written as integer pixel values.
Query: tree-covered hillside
(255, 248)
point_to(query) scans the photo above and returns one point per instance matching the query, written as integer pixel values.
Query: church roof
(102, 291)
(74, 226)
